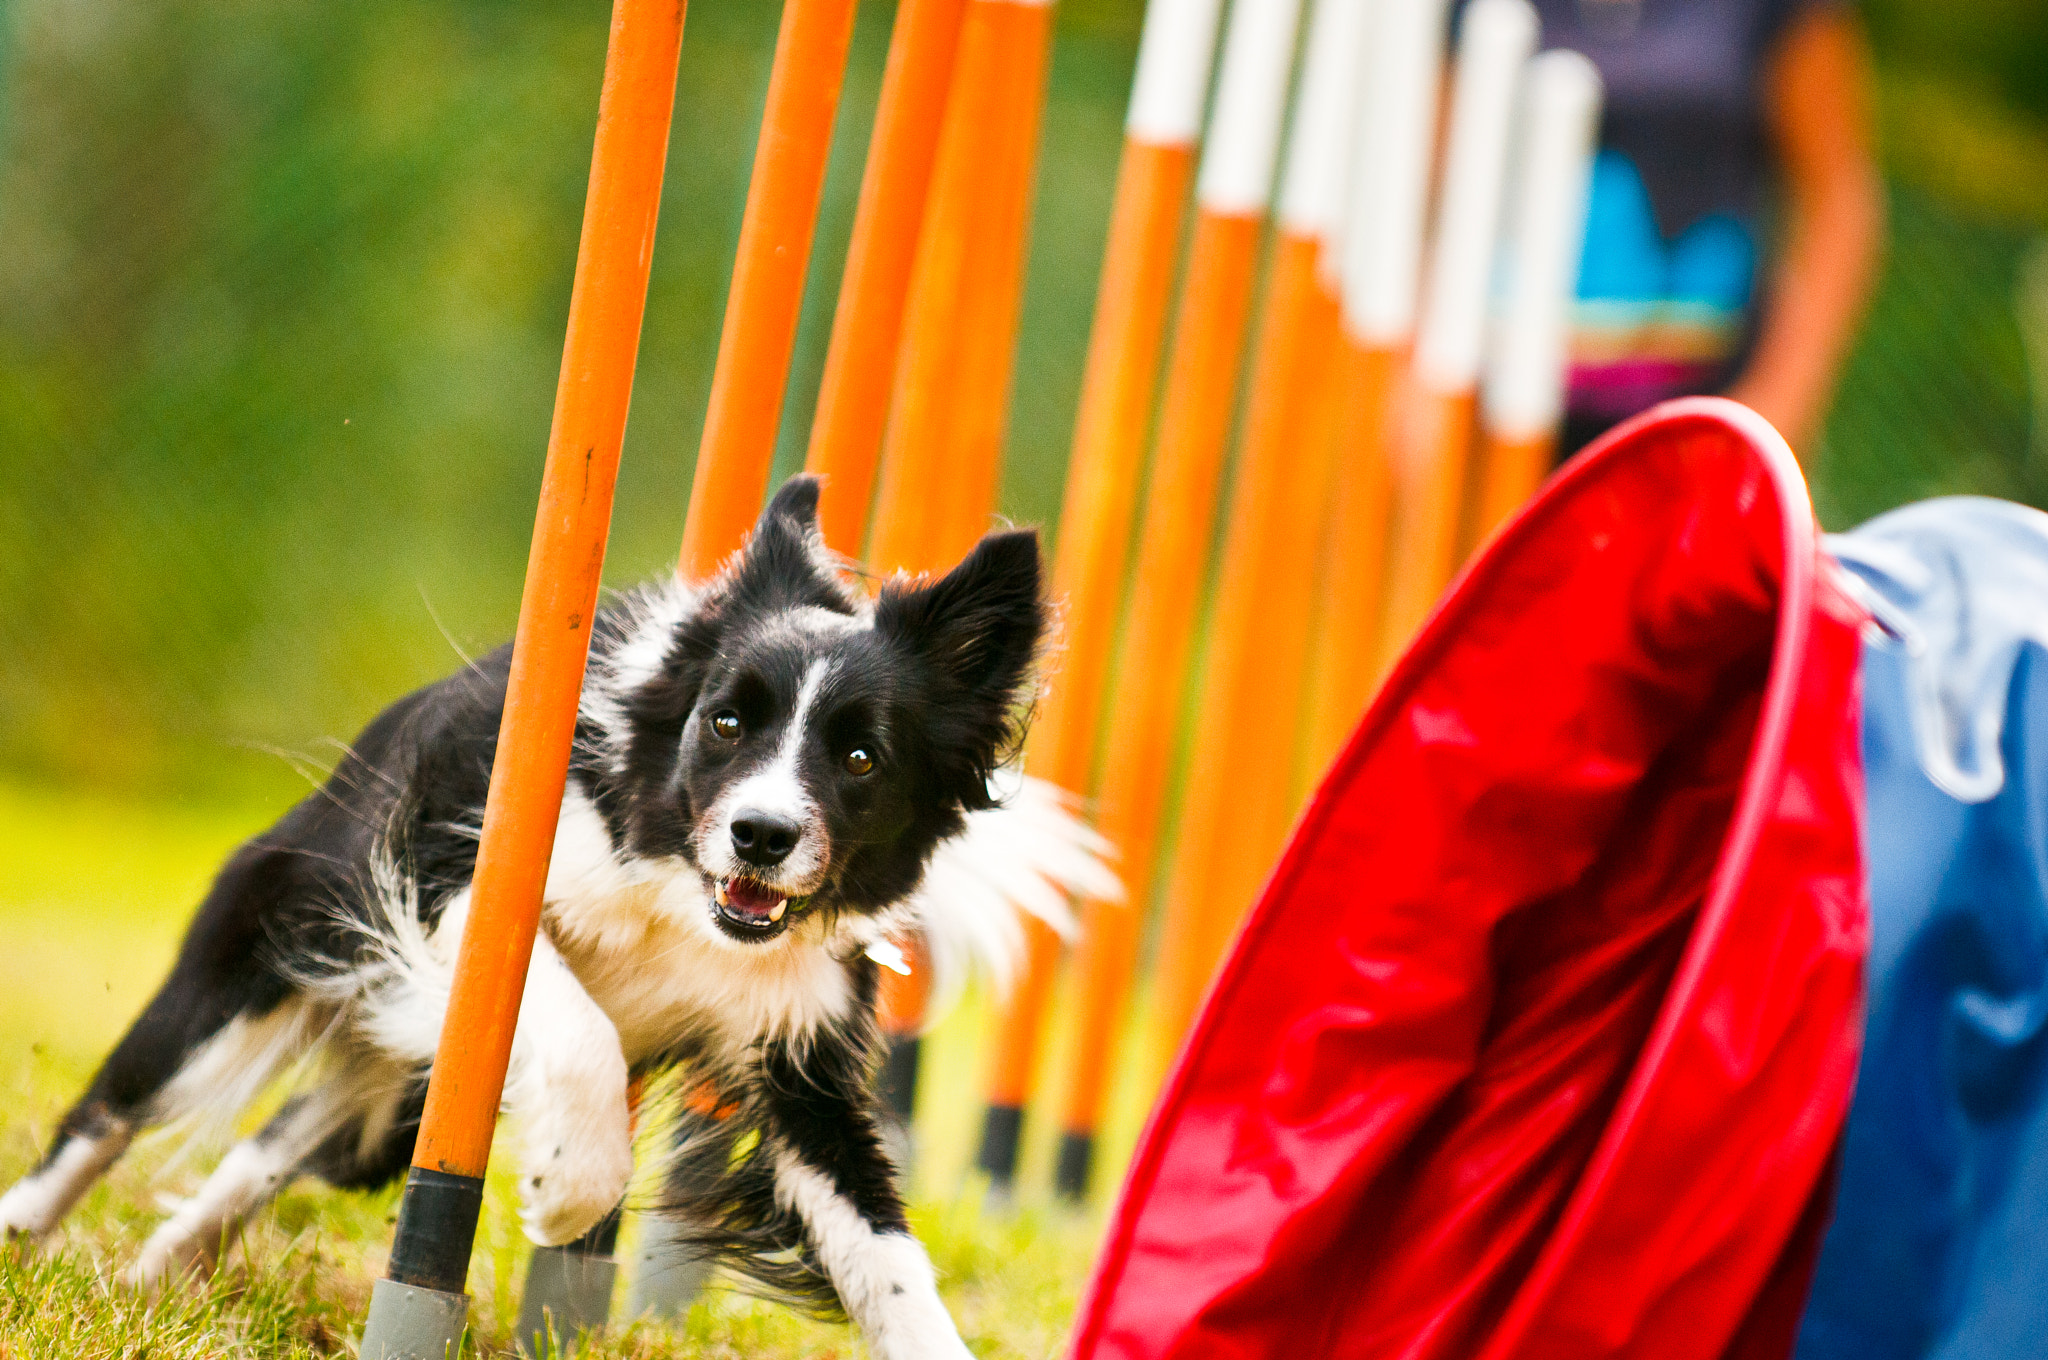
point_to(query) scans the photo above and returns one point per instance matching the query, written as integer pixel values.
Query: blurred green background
(282, 288)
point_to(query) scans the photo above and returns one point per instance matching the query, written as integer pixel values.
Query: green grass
(95, 897)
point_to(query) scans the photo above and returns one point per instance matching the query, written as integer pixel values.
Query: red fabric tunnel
(1540, 1040)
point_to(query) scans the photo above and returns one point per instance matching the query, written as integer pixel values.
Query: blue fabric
(1939, 1247)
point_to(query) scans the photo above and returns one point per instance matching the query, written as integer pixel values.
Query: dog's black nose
(763, 838)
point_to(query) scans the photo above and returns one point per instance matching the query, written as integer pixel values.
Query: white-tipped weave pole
(1251, 100)
(1172, 80)
(1239, 800)
(1209, 865)
(1233, 195)
(1325, 114)
(1103, 474)
(1547, 232)
(1522, 401)
(1390, 174)
(1434, 442)
(1495, 44)
(1392, 142)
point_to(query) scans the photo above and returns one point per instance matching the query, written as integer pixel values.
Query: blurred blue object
(1939, 1247)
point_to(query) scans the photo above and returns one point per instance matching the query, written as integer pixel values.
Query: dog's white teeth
(775, 912)
(718, 891)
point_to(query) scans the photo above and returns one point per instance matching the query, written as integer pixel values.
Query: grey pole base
(668, 1273)
(567, 1292)
(409, 1323)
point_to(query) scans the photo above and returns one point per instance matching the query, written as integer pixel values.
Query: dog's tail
(1030, 854)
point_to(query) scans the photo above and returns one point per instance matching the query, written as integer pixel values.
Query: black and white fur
(772, 775)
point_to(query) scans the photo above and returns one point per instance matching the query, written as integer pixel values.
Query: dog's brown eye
(726, 725)
(858, 761)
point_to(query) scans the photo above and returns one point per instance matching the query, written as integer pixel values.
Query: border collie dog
(772, 775)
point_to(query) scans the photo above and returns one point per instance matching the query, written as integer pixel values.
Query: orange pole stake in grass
(860, 365)
(1435, 438)
(412, 1308)
(1103, 473)
(766, 297)
(942, 455)
(1233, 198)
(1523, 397)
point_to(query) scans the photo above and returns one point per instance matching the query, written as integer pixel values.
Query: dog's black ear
(977, 628)
(796, 501)
(784, 564)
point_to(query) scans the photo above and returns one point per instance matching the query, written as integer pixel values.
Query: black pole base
(896, 1088)
(436, 1230)
(1077, 1158)
(669, 1270)
(1002, 1131)
(568, 1291)
(896, 1084)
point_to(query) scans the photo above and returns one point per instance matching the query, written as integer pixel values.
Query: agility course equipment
(1378, 261)
(1201, 380)
(1523, 398)
(911, 415)
(943, 449)
(419, 1308)
(1434, 434)
(1511, 1059)
(1273, 485)
(1327, 409)
(1166, 595)
(570, 1288)
(860, 363)
(1103, 472)
(767, 291)
(1381, 285)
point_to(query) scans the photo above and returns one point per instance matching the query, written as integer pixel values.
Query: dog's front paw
(892, 1295)
(931, 1343)
(24, 1214)
(577, 1158)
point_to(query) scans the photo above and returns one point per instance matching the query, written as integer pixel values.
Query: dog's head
(806, 749)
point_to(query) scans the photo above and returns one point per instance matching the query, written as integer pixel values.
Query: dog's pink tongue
(751, 898)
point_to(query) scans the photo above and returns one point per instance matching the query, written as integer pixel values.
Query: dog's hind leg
(302, 1137)
(221, 1026)
(118, 1104)
(176, 1059)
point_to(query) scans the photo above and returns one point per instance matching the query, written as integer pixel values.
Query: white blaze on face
(776, 788)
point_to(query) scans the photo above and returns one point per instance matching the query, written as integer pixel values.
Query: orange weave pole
(1345, 668)
(860, 365)
(567, 558)
(767, 293)
(1434, 443)
(1239, 801)
(943, 452)
(1166, 596)
(1093, 552)
(1511, 471)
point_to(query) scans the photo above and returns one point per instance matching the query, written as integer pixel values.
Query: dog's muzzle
(747, 909)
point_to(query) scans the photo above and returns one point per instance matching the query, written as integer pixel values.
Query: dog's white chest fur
(638, 935)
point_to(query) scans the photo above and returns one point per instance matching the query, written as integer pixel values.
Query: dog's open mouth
(749, 910)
